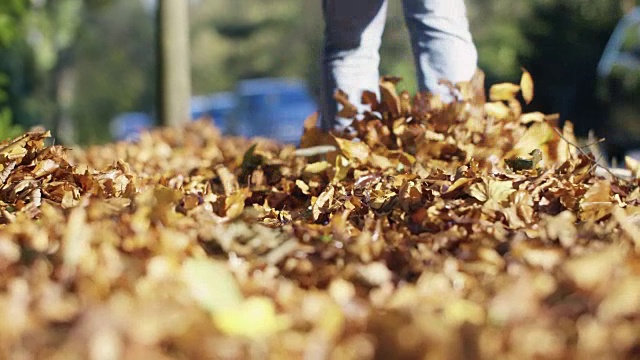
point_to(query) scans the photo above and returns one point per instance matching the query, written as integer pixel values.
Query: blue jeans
(442, 47)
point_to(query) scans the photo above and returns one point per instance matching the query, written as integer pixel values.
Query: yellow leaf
(211, 285)
(302, 186)
(316, 167)
(323, 202)
(526, 86)
(256, 317)
(532, 117)
(535, 137)
(354, 150)
(381, 162)
(479, 191)
(503, 92)
(342, 168)
(332, 320)
(457, 184)
(460, 311)
(500, 190)
(633, 165)
(497, 110)
(234, 203)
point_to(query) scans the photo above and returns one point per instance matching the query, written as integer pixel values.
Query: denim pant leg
(351, 57)
(442, 44)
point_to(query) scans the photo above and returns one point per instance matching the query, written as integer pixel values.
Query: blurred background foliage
(72, 65)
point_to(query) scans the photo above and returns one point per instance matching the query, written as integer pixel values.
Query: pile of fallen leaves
(463, 230)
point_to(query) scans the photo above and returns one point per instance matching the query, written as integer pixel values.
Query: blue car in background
(269, 107)
(218, 106)
(128, 126)
(273, 108)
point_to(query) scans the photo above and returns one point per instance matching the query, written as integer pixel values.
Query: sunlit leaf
(211, 285)
(235, 203)
(526, 86)
(317, 167)
(254, 318)
(354, 150)
(342, 168)
(490, 189)
(302, 186)
(323, 202)
(503, 92)
(497, 110)
(535, 137)
(596, 202)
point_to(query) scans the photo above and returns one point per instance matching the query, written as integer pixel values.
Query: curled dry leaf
(354, 150)
(348, 109)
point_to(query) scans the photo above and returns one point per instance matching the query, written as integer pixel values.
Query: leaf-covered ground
(469, 230)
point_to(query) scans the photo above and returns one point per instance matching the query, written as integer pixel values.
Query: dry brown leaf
(348, 110)
(490, 189)
(354, 150)
(323, 202)
(596, 202)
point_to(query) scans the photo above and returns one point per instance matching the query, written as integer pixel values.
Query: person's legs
(351, 53)
(442, 44)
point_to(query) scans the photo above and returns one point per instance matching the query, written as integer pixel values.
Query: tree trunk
(173, 62)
